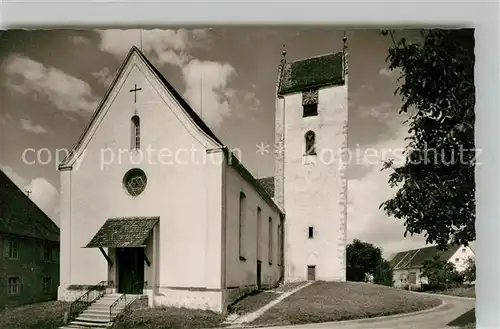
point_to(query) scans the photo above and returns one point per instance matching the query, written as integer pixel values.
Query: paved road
(436, 319)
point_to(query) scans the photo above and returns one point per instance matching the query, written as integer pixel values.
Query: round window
(135, 181)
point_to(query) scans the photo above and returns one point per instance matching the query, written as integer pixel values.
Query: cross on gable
(135, 90)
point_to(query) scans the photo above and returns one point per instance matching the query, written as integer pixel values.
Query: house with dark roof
(29, 242)
(407, 265)
(154, 204)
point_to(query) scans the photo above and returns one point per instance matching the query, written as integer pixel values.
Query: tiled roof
(268, 185)
(312, 72)
(123, 232)
(416, 257)
(19, 215)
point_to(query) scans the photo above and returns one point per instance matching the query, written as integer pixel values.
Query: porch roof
(123, 232)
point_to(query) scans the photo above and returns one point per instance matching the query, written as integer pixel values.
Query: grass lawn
(465, 321)
(288, 286)
(168, 318)
(46, 315)
(253, 302)
(335, 301)
(461, 292)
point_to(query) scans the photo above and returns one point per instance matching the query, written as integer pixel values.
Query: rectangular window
(311, 272)
(310, 103)
(278, 249)
(311, 232)
(259, 229)
(241, 225)
(282, 241)
(14, 284)
(47, 285)
(13, 249)
(270, 247)
(310, 110)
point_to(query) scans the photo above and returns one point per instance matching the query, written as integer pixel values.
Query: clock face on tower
(310, 97)
(135, 181)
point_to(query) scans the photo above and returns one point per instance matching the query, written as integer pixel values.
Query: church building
(153, 203)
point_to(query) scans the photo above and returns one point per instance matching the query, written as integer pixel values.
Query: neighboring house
(152, 202)
(29, 244)
(407, 265)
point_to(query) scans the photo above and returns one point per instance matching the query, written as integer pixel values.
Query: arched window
(136, 132)
(310, 141)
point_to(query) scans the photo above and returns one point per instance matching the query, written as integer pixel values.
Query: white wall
(314, 188)
(241, 273)
(181, 194)
(404, 274)
(460, 258)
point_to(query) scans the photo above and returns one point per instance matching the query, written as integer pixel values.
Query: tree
(436, 183)
(470, 271)
(440, 273)
(362, 260)
(383, 274)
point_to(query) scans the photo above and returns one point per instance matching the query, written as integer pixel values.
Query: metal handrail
(123, 300)
(82, 302)
(112, 307)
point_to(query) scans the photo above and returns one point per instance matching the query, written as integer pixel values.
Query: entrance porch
(130, 247)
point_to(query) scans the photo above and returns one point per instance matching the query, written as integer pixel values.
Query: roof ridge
(315, 56)
(134, 217)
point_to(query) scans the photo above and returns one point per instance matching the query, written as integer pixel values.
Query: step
(93, 317)
(100, 312)
(108, 304)
(88, 324)
(102, 319)
(102, 305)
(110, 296)
(103, 299)
(95, 312)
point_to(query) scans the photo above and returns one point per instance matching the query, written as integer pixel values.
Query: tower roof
(313, 72)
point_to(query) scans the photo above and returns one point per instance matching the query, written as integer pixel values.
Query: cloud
(78, 39)
(365, 220)
(28, 125)
(66, 92)
(46, 196)
(380, 112)
(43, 193)
(206, 89)
(5, 118)
(104, 76)
(207, 82)
(385, 72)
(162, 46)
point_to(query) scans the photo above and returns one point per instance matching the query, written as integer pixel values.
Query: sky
(52, 81)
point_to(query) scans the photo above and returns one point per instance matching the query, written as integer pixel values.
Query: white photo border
(481, 15)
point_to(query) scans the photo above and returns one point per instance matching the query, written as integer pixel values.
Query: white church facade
(152, 202)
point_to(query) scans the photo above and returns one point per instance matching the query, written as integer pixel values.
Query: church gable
(138, 78)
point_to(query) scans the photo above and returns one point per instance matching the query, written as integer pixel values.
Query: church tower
(311, 162)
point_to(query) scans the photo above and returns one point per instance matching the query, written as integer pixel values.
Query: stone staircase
(97, 314)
